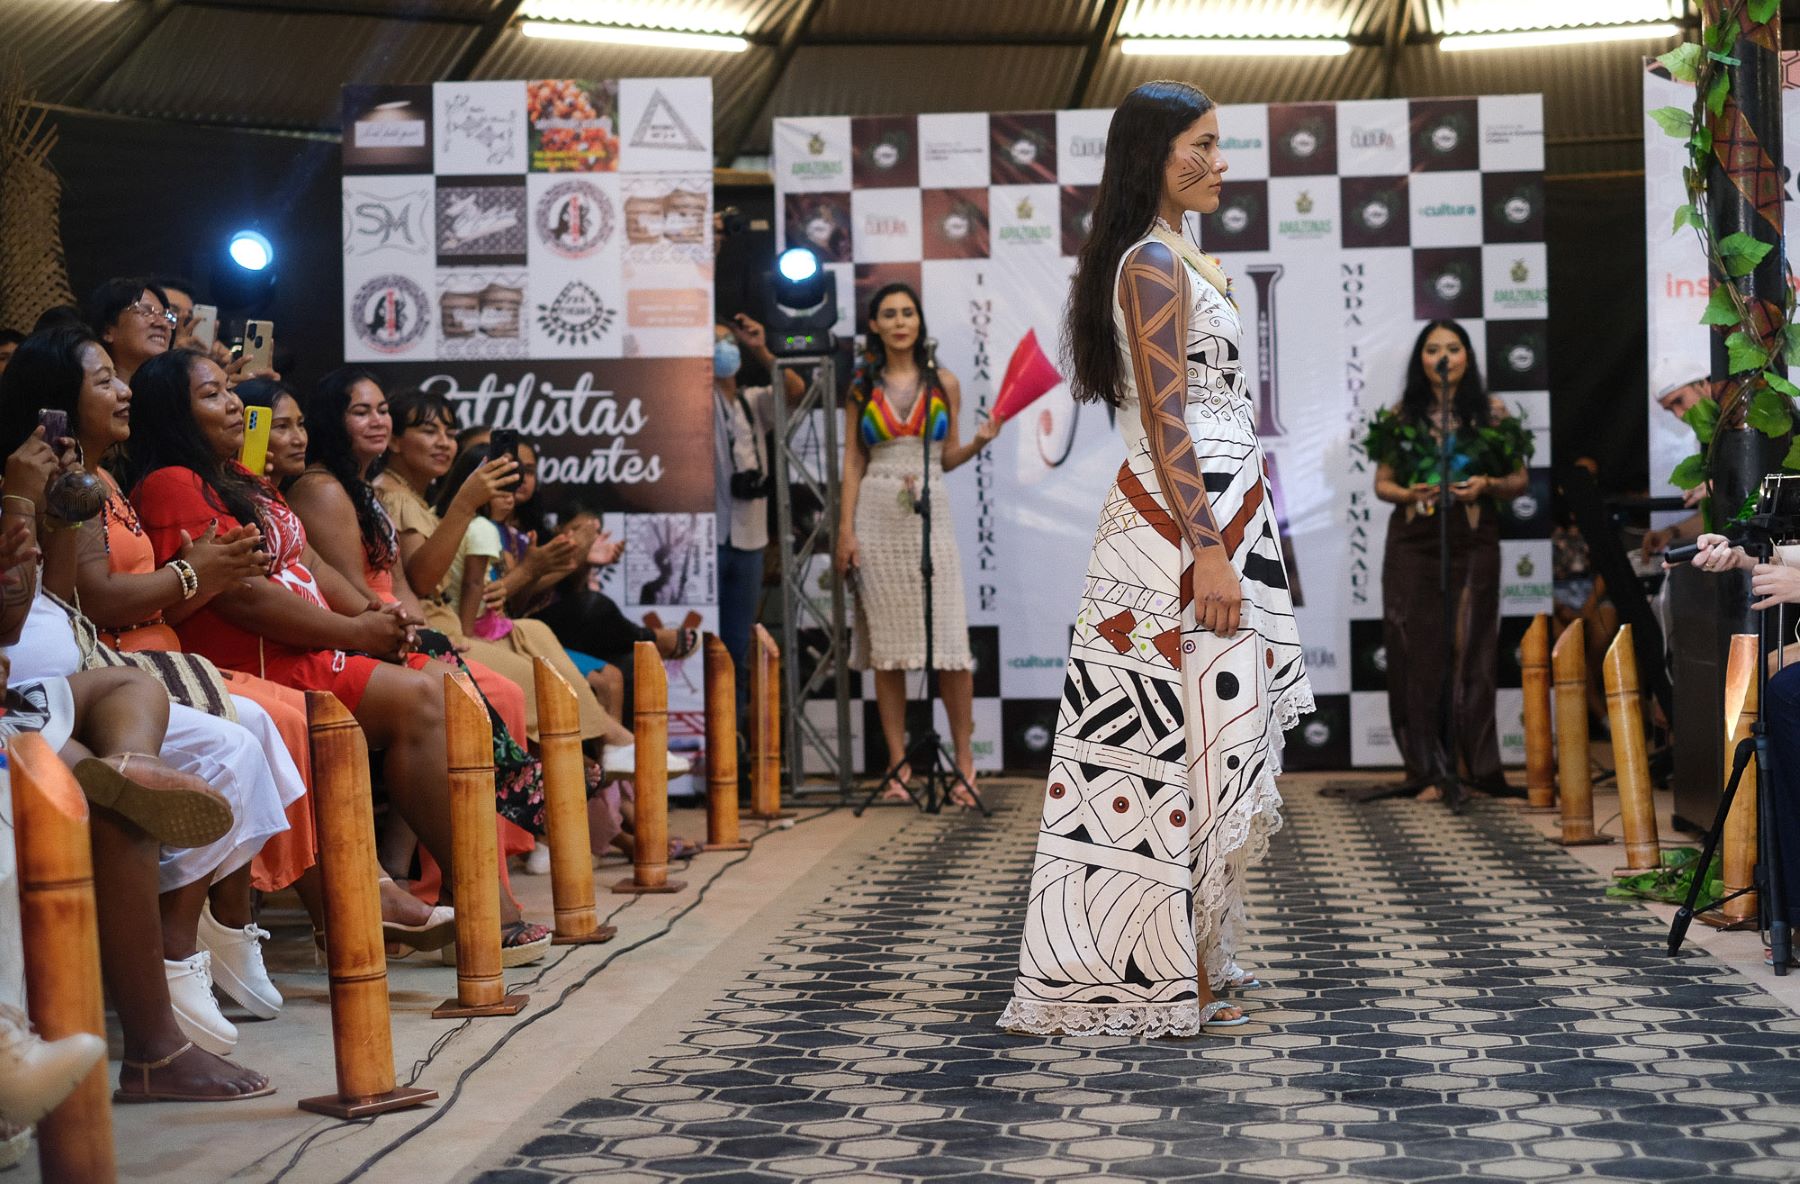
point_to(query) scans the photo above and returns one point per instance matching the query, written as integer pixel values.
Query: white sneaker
(679, 764)
(36, 1074)
(196, 1012)
(620, 760)
(238, 965)
(538, 862)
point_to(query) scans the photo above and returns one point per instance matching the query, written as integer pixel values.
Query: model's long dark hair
(1470, 400)
(328, 446)
(874, 360)
(45, 372)
(164, 435)
(1138, 142)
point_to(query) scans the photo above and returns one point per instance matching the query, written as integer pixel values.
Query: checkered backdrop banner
(1344, 225)
(540, 252)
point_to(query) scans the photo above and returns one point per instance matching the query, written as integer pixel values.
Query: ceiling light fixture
(1259, 47)
(616, 35)
(1534, 38)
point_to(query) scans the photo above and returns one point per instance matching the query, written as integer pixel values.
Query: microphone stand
(1450, 776)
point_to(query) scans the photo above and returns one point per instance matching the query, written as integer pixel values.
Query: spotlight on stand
(244, 272)
(800, 306)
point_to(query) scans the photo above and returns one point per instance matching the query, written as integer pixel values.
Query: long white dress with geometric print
(1162, 778)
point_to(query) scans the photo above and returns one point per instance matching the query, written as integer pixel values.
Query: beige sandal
(146, 1094)
(177, 809)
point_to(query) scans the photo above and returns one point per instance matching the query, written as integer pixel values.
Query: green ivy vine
(1757, 394)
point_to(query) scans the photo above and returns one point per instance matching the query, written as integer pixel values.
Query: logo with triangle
(661, 126)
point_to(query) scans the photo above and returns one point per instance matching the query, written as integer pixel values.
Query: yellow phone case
(255, 452)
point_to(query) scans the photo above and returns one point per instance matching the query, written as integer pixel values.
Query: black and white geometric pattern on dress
(1162, 778)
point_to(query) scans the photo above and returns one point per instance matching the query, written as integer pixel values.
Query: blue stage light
(251, 251)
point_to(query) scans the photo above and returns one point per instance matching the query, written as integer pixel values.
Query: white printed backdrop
(541, 253)
(1676, 281)
(1345, 227)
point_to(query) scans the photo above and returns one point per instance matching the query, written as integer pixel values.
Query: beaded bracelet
(190, 583)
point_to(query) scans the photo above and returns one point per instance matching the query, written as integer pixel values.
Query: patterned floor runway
(1447, 998)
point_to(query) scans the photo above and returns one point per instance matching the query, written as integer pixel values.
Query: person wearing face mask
(743, 478)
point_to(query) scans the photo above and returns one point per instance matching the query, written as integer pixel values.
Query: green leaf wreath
(1411, 452)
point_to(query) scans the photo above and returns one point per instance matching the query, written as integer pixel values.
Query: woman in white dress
(1185, 667)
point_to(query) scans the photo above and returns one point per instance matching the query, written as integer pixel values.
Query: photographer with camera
(1773, 584)
(743, 479)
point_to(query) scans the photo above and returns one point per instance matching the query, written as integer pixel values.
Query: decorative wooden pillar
(721, 750)
(1737, 847)
(1569, 665)
(1540, 744)
(355, 956)
(565, 812)
(1631, 762)
(469, 744)
(62, 953)
(765, 727)
(650, 813)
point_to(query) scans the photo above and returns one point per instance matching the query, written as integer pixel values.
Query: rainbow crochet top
(879, 423)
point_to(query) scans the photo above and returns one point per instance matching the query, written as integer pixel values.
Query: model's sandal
(1769, 958)
(145, 1094)
(894, 789)
(680, 848)
(1239, 979)
(1215, 1007)
(686, 642)
(177, 809)
(963, 796)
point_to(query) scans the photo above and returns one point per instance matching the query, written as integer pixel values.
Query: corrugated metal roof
(464, 10)
(1228, 79)
(1022, 20)
(842, 80)
(272, 69)
(1252, 18)
(735, 76)
(59, 40)
(1593, 94)
(699, 16)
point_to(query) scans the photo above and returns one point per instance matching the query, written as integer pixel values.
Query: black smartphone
(55, 424)
(504, 442)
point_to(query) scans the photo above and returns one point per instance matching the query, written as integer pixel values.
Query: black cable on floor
(462, 1079)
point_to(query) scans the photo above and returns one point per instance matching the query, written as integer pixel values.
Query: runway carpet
(1447, 998)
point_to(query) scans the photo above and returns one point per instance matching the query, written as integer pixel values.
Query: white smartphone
(206, 325)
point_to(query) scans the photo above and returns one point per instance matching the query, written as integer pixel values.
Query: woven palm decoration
(34, 275)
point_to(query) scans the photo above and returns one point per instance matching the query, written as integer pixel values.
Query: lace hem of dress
(1101, 1019)
(917, 663)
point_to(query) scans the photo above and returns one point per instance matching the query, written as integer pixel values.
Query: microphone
(1443, 373)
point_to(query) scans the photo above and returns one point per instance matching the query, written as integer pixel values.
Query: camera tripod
(926, 750)
(1758, 538)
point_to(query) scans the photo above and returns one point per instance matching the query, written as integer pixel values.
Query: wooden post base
(632, 887)
(601, 933)
(1721, 921)
(450, 1009)
(1589, 841)
(399, 1098)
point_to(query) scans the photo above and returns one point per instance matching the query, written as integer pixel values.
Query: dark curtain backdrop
(143, 196)
(1599, 373)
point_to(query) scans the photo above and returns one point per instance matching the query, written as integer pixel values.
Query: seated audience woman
(303, 625)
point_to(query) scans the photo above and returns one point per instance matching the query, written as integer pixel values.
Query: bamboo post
(650, 814)
(721, 749)
(1569, 665)
(62, 952)
(765, 727)
(565, 812)
(469, 745)
(1737, 847)
(1625, 712)
(361, 1027)
(1540, 747)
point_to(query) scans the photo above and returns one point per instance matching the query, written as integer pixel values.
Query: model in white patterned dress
(1162, 779)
